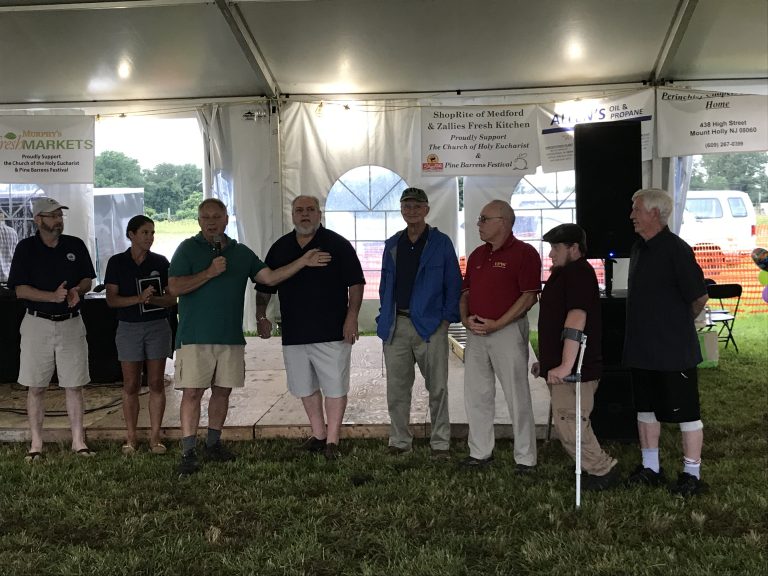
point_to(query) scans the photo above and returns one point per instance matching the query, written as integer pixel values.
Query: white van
(719, 220)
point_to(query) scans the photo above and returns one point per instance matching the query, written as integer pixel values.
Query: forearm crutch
(581, 338)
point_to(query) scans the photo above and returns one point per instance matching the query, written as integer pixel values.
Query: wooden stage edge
(264, 409)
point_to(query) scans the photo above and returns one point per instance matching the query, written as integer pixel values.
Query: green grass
(186, 227)
(280, 512)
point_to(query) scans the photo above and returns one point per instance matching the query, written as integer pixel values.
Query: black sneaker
(218, 453)
(607, 481)
(332, 451)
(524, 469)
(646, 477)
(313, 444)
(471, 462)
(397, 451)
(188, 464)
(688, 485)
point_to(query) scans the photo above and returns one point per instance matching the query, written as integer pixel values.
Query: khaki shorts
(204, 365)
(47, 345)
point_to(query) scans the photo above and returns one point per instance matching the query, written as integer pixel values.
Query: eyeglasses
(484, 219)
(53, 215)
(411, 207)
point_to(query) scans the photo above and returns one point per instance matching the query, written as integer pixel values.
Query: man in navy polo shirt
(319, 309)
(52, 272)
(502, 282)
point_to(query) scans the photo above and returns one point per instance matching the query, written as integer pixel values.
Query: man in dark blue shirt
(52, 272)
(319, 309)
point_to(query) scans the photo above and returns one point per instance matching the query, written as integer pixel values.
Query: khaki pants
(594, 460)
(408, 348)
(502, 355)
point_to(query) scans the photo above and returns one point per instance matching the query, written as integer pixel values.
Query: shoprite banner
(46, 149)
(479, 140)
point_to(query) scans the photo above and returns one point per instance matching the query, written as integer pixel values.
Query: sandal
(85, 452)
(128, 449)
(158, 449)
(33, 457)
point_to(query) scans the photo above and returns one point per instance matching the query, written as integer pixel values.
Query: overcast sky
(151, 140)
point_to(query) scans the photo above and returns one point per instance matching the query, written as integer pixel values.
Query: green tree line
(168, 188)
(745, 171)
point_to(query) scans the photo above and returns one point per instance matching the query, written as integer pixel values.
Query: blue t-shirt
(39, 266)
(123, 272)
(213, 314)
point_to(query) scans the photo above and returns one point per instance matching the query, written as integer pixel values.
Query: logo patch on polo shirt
(70, 257)
(499, 264)
(154, 273)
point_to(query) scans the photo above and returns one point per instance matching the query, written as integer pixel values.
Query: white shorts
(204, 365)
(47, 345)
(321, 366)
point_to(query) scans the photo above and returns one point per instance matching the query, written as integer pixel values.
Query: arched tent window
(541, 202)
(363, 205)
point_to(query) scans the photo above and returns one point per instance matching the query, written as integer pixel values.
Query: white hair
(655, 198)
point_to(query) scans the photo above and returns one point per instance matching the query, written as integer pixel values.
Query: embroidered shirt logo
(70, 257)
(500, 264)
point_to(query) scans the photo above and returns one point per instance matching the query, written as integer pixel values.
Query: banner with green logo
(46, 149)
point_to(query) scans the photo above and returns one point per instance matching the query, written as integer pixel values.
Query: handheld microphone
(217, 245)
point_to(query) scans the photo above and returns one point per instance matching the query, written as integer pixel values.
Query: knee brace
(646, 417)
(691, 426)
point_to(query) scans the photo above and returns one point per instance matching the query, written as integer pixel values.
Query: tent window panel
(371, 225)
(341, 198)
(342, 223)
(541, 202)
(363, 205)
(395, 222)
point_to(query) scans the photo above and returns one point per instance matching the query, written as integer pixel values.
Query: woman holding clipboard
(135, 284)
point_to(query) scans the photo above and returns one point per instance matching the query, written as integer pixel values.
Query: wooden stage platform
(264, 408)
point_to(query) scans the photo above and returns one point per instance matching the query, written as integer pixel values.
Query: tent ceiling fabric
(69, 52)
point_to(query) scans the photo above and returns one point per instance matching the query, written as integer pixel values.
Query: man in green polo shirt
(208, 273)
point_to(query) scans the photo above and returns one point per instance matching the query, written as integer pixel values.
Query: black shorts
(672, 396)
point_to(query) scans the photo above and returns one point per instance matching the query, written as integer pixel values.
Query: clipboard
(142, 284)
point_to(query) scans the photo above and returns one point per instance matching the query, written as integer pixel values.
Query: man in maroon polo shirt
(502, 282)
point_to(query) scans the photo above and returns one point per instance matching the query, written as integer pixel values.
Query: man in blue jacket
(419, 293)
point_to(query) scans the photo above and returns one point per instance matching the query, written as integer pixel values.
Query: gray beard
(306, 230)
(53, 230)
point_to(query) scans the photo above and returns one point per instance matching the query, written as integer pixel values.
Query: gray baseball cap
(45, 204)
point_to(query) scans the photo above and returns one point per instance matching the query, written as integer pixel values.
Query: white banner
(556, 122)
(479, 140)
(46, 149)
(710, 122)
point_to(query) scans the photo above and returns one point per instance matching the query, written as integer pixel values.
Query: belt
(54, 317)
(405, 313)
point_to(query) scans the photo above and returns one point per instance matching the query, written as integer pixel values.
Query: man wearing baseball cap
(52, 272)
(569, 305)
(419, 293)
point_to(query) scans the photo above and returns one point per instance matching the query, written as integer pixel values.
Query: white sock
(651, 458)
(692, 467)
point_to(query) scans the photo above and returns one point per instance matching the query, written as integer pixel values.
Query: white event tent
(292, 94)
